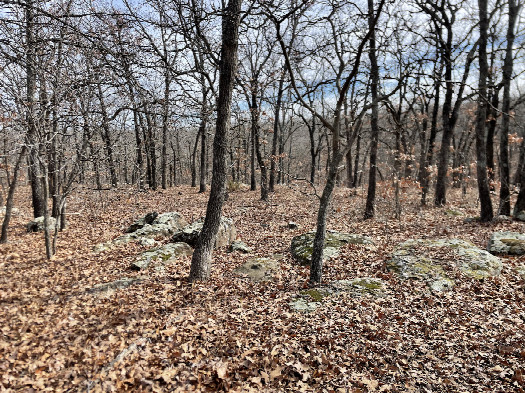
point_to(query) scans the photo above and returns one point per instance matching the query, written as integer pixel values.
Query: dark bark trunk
(504, 196)
(11, 195)
(374, 76)
(200, 263)
(35, 172)
(275, 139)
(486, 213)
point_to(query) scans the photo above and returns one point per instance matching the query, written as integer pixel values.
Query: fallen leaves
(163, 334)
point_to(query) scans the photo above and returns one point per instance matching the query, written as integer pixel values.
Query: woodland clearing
(231, 334)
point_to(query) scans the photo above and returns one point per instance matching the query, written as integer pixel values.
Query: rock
(165, 255)
(37, 225)
(300, 304)
(190, 233)
(258, 269)
(14, 211)
(293, 225)
(412, 260)
(302, 245)
(503, 218)
(453, 213)
(240, 246)
(309, 300)
(521, 271)
(360, 286)
(471, 220)
(147, 219)
(520, 216)
(112, 286)
(510, 243)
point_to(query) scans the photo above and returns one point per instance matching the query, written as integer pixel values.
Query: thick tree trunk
(200, 263)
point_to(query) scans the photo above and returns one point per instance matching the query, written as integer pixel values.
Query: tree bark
(201, 260)
(486, 213)
(374, 76)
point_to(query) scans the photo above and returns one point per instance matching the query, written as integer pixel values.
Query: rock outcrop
(162, 256)
(509, 243)
(302, 245)
(190, 233)
(420, 259)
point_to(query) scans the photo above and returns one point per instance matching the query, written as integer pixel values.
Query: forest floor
(164, 334)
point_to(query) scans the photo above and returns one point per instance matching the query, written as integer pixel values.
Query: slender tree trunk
(201, 260)
(202, 171)
(374, 75)
(504, 195)
(275, 139)
(37, 191)
(11, 195)
(165, 117)
(486, 213)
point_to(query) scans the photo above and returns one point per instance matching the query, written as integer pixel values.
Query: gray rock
(309, 300)
(112, 286)
(163, 256)
(520, 216)
(240, 246)
(147, 219)
(510, 243)
(258, 269)
(412, 260)
(302, 245)
(521, 271)
(37, 225)
(190, 233)
(453, 213)
(293, 225)
(360, 286)
(503, 218)
(14, 211)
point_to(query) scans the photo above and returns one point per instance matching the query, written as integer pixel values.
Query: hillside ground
(231, 334)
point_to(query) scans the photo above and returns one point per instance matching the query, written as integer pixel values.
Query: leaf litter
(232, 334)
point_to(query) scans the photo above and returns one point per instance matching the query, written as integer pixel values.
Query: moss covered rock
(165, 255)
(510, 243)
(302, 245)
(310, 299)
(414, 259)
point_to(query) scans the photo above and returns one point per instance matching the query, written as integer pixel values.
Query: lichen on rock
(258, 269)
(413, 259)
(302, 245)
(509, 243)
(163, 256)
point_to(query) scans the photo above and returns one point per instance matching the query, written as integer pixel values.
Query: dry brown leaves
(230, 334)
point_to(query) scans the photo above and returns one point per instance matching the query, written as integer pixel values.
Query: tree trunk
(11, 195)
(504, 195)
(200, 263)
(374, 76)
(275, 139)
(486, 213)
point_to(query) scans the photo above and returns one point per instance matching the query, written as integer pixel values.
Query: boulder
(14, 211)
(37, 225)
(147, 219)
(520, 216)
(258, 269)
(414, 259)
(240, 246)
(302, 245)
(164, 256)
(190, 233)
(510, 243)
